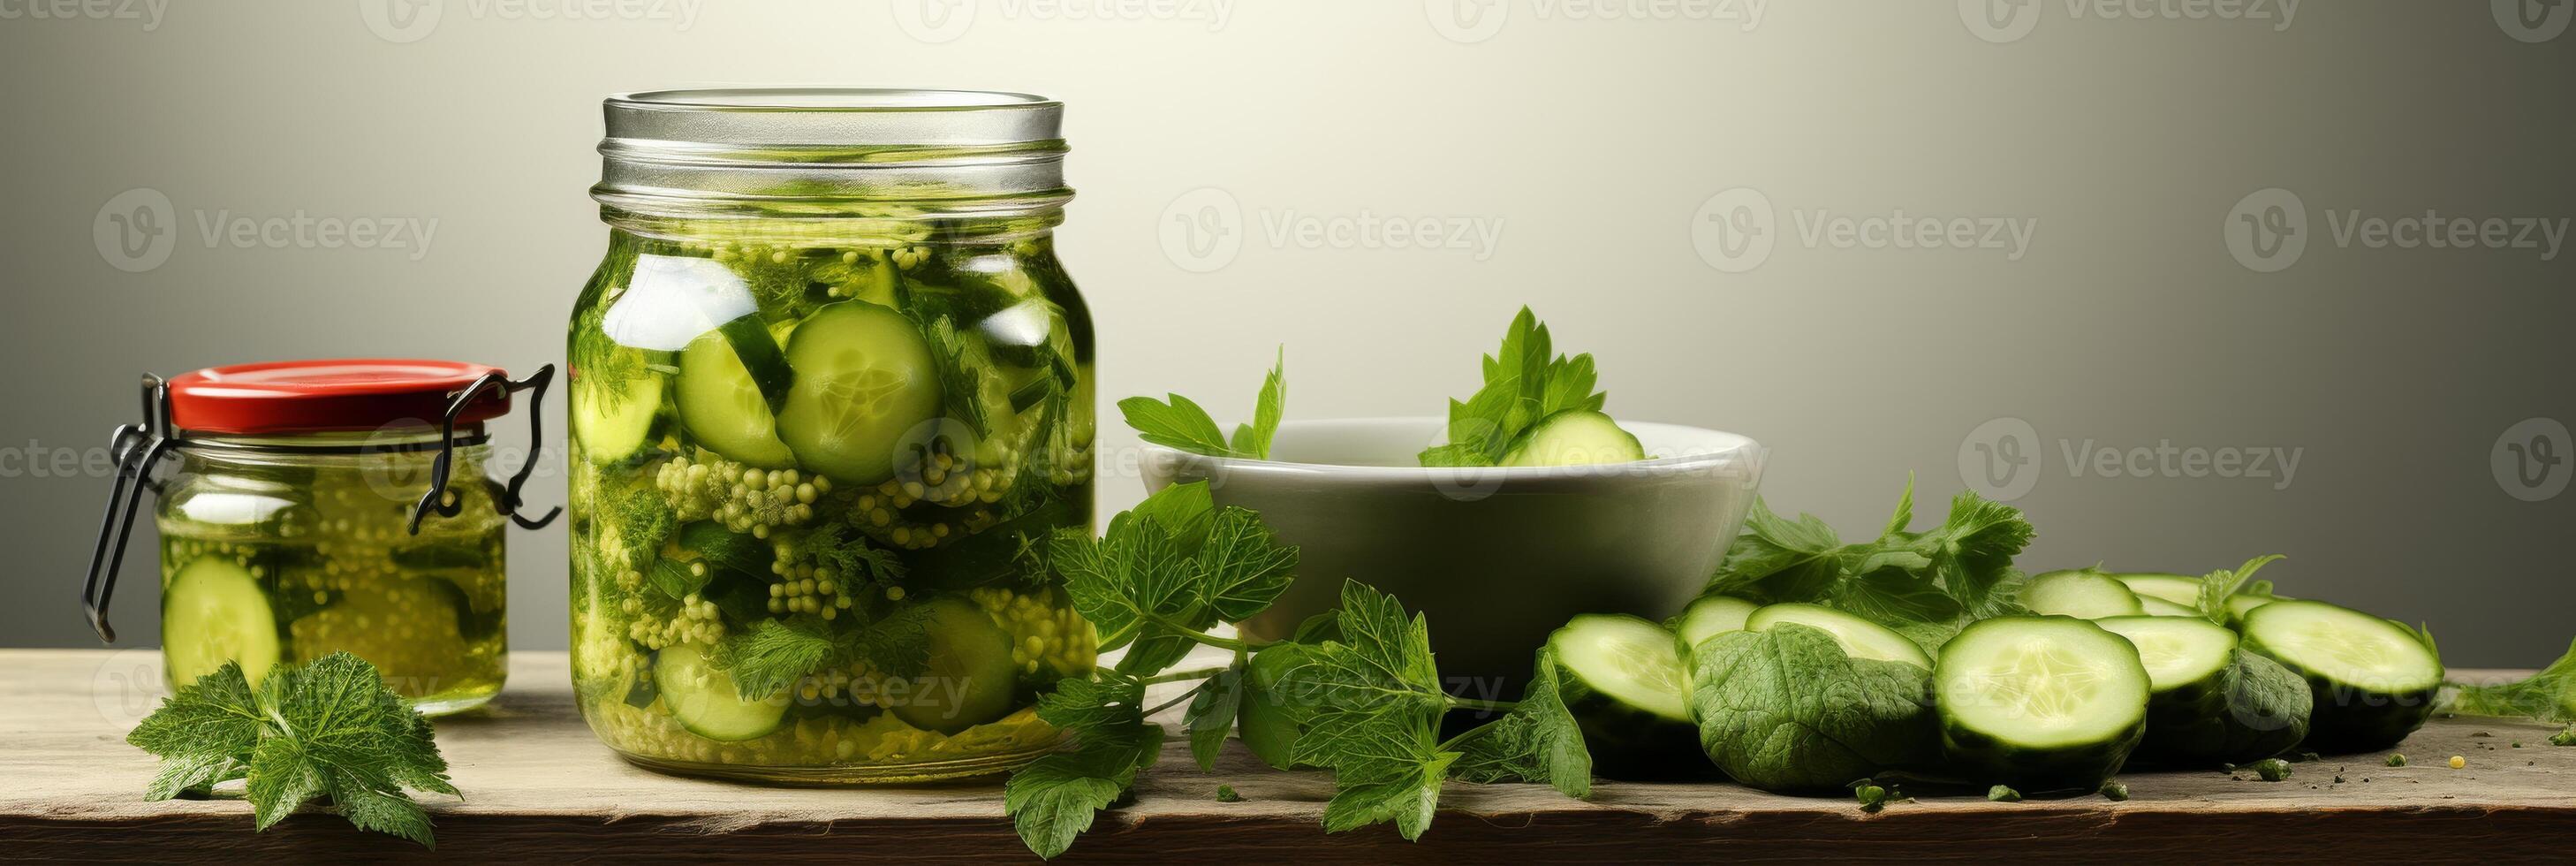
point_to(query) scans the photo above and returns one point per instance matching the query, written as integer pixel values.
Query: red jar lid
(323, 396)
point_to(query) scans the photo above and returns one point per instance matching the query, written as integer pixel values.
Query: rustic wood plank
(539, 787)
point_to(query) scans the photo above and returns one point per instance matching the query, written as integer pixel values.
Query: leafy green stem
(1185, 676)
(1487, 706)
(1179, 628)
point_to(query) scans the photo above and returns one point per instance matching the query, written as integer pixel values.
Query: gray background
(1591, 143)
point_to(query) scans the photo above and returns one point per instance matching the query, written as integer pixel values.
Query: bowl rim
(1742, 450)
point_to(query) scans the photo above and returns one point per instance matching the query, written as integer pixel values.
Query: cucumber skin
(1630, 744)
(2196, 725)
(2344, 720)
(2031, 770)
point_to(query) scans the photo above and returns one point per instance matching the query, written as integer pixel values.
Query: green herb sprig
(1180, 423)
(1926, 585)
(329, 729)
(1368, 696)
(1525, 382)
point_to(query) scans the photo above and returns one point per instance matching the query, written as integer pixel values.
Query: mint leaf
(1211, 714)
(1376, 720)
(326, 729)
(1253, 440)
(1524, 383)
(1055, 799)
(1538, 741)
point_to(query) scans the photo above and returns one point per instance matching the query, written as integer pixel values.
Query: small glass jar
(831, 395)
(311, 512)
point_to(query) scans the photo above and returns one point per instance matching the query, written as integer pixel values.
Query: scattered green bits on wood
(1226, 794)
(2396, 760)
(2564, 738)
(2272, 769)
(2115, 791)
(1872, 797)
(2003, 794)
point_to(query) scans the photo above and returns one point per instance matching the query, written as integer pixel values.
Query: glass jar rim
(803, 152)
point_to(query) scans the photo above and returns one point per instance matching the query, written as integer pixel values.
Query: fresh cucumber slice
(2153, 606)
(1860, 638)
(1622, 678)
(2171, 588)
(2243, 603)
(1710, 616)
(2372, 680)
(612, 420)
(864, 379)
(214, 611)
(2041, 703)
(724, 404)
(2213, 702)
(970, 677)
(704, 699)
(1574, 437)
(2080, 594)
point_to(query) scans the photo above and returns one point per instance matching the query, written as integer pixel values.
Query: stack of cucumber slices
(2100, 671)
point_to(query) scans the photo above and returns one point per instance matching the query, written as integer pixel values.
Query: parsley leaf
(1174, 566)
(1376, 721)
(1181, 424)
(1052, 801)
(326, 729)
(1538, 741)
(1524, 383)
(1211, 714)
(1926, 585)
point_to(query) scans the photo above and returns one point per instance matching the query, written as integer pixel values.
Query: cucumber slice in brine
(614, 419)
(214, 611)
(1575, 438)
(864, 380)
(704, 700)
(970, 676)
(721, 401)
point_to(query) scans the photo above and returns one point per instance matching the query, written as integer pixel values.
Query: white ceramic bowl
(1497, 557)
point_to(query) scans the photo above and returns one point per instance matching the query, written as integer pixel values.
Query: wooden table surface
(539, 788)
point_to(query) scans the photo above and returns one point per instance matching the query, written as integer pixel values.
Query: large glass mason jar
(831, 392)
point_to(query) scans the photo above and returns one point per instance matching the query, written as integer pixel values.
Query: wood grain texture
(539, 788)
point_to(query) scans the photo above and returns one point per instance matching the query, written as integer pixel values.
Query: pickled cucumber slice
(704, 700)
(614, 419)
(864, 379)
(412, 630)
(970, 677)
(724, 405)
(214, 611)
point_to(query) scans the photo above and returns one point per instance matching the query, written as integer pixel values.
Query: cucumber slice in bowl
(2080, 594)
(864, 379)
(1860, 638)
(1575, 437)
(725, 404)
(1710, 616)
(2213, 702)
(213, 612)
(2041, 703)
(2373, 681)
(1622, 678)
(704, 700)
(970, 676)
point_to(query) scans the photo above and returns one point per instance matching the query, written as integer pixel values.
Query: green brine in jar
(832, 390)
